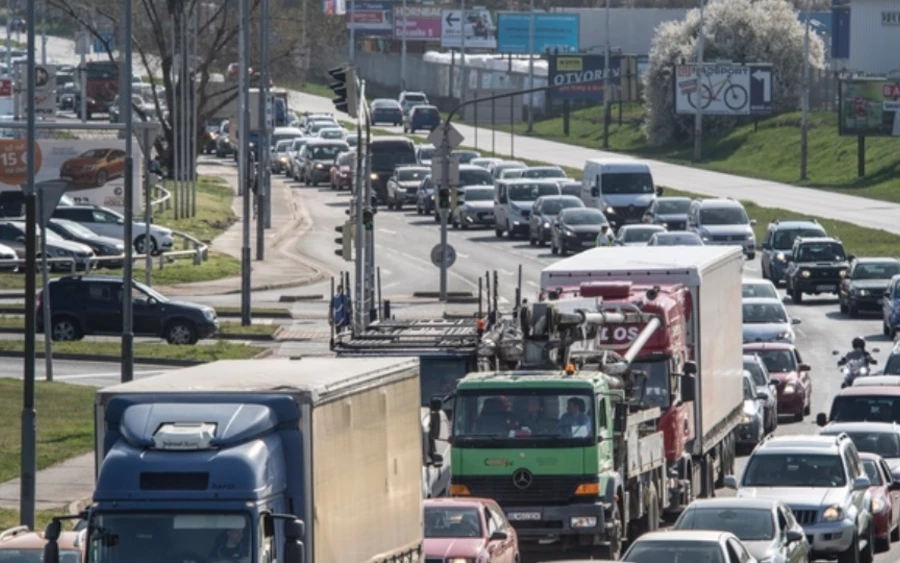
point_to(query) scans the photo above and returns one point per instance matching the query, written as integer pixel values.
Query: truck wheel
(650, 520)
(499, 233)
(842, 306)
(614, 550)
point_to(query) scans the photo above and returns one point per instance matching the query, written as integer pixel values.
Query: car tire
(751, 256)
(895, 533)
(563, 249)
(498, 232)
(868, 554)
(398, 206)
(418, 210)
(181, 332)
(101, 178)
(797, 296)
(852, 310)
(532, 241)
(842, 306)
(542, 242)
(553, 250)
(885, 329)
(139, 245)
(64, 328)
(437, 217)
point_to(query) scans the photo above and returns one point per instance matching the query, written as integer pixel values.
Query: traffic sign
(437, 255)
(83, 43)
(436, 137)
(437, 170)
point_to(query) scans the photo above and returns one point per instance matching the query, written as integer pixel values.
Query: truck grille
(824, 273)
(804, 517)
(544, 489)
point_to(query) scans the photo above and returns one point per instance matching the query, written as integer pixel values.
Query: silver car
(752, 428)
(823, 481)
(767, 320)
(637, 235)
(754, 365)
(881, 438)
(723, 222)
(475, 207)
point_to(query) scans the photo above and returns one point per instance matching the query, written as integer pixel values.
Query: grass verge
(65, 425)
(277, 312)
(214, 212)
(227, 328)
(148, 352)
(10, 518)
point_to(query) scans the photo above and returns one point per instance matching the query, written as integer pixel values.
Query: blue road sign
(760, 90)
(108, 37)
(580, 77)
(551, 32)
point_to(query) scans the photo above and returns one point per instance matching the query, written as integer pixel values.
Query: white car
(106, 222)
(759, 288)
(333, 133)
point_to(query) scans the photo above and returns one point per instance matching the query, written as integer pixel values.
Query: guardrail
(191, 246)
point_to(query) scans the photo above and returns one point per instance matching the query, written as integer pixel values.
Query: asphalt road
(97, 374)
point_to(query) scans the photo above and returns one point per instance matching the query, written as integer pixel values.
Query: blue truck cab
(259, 460)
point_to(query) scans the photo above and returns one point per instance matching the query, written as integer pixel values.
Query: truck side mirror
(434, 421)
(51, 534)
(688, 388)
(690, 368)
(294, 530)
(620, 418)
(595, 191)
(437, 460)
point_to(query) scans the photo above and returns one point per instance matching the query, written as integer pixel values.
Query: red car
(885, 493)
(790, 374)
(341, 172)
(468, 529)
(93, 168)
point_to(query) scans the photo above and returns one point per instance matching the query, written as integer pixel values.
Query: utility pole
(195, 122)
(359, 197)
(606, 81)
(804, 103)
(175, 112)
(126, 110)
(262, 191)
(244, 156)
(352, 37)
(43, 33)
(698, 115)
(82, 75)
(403, 46)
(463, 82)
(184, 108)
(531, 68)
(148, 211)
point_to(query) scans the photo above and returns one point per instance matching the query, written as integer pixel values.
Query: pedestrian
(340, 310)
(605, 237)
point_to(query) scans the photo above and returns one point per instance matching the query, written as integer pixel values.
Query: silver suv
(823, 481)
(722, 222)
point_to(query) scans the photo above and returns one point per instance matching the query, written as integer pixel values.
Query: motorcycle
(857, 367)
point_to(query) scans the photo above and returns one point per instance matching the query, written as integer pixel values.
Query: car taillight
(40, 298)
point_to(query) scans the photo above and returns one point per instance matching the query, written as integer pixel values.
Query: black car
(384, 110)
(544, 212)
(818, 266)
(778, 244)
(892, 365)
(670, 212)
(317, 157)
(865, 283)
(101, 245)
(92, 305)
(575, 229)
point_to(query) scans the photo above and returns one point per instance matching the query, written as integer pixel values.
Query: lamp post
(804, 102)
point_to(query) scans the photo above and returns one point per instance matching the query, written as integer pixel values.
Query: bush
(764, 31)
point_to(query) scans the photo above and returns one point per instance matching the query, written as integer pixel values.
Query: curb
(236, 315)
(267, 353)
(227, 336)
(314, 278)
(296, 298)
(104, 358)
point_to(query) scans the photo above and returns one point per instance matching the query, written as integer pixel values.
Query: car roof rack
(796, 220)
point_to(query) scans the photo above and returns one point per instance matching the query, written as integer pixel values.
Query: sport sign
(723, 89)
(14, 161)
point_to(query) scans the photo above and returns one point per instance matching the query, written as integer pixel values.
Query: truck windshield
(654, 385)
(627, 183)
(122, 537)
(534, 417)
(438, 377)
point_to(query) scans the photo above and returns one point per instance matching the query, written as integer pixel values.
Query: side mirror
(434, 420)
(690, 368)
(437, 461)
(595, 191)
(773, 382)
(766, 246)
(659, 190)
(762, 396)
(752, 222)
(793, 536)
(861, 484)
(620, 417)
(821, 419)
(795, 321)
(887, 295)
(20, 239)
(804, 367)
(499, 536)
(894, 486)
(688, 388)
(731, 482)
(851, 257)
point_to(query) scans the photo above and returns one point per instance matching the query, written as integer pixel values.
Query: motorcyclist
(859, 352)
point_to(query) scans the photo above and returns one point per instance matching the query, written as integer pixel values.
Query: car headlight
(283, 159)
(786, 335)
(790, 389)
(804, 273)
(209, 314)
(862, 292)
(842, 273)
(832, 513)
(546, 225)
(319, 165)
(609, 211)
(704, 238)
(460, 560)
(878, 504)
(90, 167)
(750, 236)
(373, 176)
(569, 233)
(747, 418)
(583, 521)
(781, 257)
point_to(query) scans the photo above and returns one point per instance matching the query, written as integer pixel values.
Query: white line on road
(533, 284)
(385, 272)
(505, 272)
(462, 255)
(387, 232)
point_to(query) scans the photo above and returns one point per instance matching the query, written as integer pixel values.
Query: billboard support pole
(45, 300)
(698, 115)
(148, 205)
(352, 30)
(264, 165)
(244, 157)
(128, 116)
(860, 156)
(804, 103)
(531, 67)
(82, 75)
(403, 32)
(606, 82)
(463, 82)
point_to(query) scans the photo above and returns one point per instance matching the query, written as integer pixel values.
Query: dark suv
(92, 305)
(817, 266)
(779, 243)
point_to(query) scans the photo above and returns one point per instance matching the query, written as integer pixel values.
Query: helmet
(859, 343)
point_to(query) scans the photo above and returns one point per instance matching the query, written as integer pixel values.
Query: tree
(765, 31)
(217, 41)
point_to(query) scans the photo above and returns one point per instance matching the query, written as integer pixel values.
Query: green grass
(65, 425)
(221, 350)
(227, 328)
(10, 518)
(214, 212)
(259, 311)
(769, 150)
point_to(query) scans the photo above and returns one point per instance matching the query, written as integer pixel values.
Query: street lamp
(804, 101)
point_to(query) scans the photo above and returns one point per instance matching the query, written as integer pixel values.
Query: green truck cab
(560, 451)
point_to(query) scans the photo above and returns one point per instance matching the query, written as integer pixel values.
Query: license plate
(489, 216)
(824, 288)
(522, 516)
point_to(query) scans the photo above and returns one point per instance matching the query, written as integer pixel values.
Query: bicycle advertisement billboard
(869, 108)
(728, 89)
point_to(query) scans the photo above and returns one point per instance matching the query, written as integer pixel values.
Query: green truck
(560, 443)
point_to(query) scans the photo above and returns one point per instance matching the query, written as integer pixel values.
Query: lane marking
(385, 272)
(533, 284)
(505, 272)
(387, 232)
(462, 255)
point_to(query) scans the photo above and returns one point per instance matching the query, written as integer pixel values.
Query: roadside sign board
(437, 255)
(580, 77)
(105, 38)
(436, 137)
(83, 43)
(437, 171)
(417, 23)
(44, 89)
(723, 89)
(869, 107)
(551, 32)
(371, 18)
(477, 25)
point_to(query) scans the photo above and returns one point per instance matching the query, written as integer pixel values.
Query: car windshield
(465, 157)
(627, 183)
(749, 389)
(475, 177)
(874, 408)
(872, 472)
(345, 159)
(756, 373)
(652, 382)
(759, 289)
(390, 160)
(757, 313)
(75, 229)
(795, 470)
(712, 216)
(332, 133)
(411, 174)
(778, 361)
(554, 206)
(876, 271)
(571, 188)
(96, 153)
(639, 234)
(384, 104)
(543, 173)
(583, 217)
(677, 239)
(820, 252)
(415, 99)
(124, 536)
(536, 417)
(674, 552)
(36, 555)
(784, 240)
(748, 524)
(426, 154)
(283, 146)
(327, 152)
(479, 194)
(892, 366)
(673, 206)
(887, 445)
(452, 522)
(298, 144)
(530, 192)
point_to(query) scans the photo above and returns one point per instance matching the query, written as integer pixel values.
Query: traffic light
(346, 240)
(368, 219)
(344, 88)
(444, 198)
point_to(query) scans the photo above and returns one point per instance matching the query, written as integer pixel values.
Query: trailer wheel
(614, 550)
(650, 519)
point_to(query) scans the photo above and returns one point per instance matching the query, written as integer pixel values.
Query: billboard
(44, 89)
(94, 169)
(580, 77)
(421, 23)
(334, 7)
(723, 89)
(371, 18)
(869, 108)
(477, 27)
(551, 32)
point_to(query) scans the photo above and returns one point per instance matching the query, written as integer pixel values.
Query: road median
(144, 353)
(228, 330)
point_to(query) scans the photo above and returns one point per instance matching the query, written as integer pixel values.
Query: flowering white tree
(761, 31)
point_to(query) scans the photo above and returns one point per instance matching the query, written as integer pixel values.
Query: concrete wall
(631, 29)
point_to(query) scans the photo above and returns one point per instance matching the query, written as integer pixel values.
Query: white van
(622, 189)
